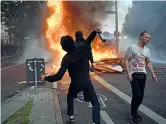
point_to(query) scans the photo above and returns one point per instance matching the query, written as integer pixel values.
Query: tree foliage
(19, 17)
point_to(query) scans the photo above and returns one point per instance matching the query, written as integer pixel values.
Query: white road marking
(32, 87)
(10, 67)
(101, 100)
(105, 117)
(22, 82)
(159, 119)
(79, 100)
(90, 105)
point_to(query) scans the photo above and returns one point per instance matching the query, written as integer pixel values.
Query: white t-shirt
(138, 55)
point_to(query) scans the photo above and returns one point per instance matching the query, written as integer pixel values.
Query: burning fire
(55, 28)
(59, 24)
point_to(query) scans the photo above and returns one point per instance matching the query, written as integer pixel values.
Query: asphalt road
(114, 108)
(10, 77)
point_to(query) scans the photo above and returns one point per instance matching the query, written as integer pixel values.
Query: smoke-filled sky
(86, 16)
(92, 15)
(148, 16)
(109, 23)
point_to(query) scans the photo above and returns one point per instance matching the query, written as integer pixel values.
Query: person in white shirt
(136, 59)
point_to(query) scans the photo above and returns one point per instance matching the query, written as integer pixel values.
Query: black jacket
(80, 40)
(77, 63)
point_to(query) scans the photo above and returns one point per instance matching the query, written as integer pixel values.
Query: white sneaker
(71, 119)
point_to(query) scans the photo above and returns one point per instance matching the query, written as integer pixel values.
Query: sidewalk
(45, 107)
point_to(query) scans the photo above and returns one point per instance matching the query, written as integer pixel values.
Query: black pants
(138, 86)
(90, 56)
(94, 101)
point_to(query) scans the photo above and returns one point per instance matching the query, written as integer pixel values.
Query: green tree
(20, 17)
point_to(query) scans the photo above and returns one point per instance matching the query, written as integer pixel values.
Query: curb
(11, 98)
(57, 108)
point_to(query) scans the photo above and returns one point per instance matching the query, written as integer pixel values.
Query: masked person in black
(80, 39)
(77, 63)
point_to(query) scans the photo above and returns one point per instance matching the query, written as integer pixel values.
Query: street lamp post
(117, 34)
(116, 28)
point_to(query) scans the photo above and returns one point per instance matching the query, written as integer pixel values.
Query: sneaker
(133, 119)
(71, 119)
(139, 118)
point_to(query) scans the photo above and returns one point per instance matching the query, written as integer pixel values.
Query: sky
(109, 23)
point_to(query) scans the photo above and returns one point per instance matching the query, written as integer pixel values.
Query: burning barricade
(110, 65)
(60, 23)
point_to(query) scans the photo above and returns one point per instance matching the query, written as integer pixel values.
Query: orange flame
(57, 27)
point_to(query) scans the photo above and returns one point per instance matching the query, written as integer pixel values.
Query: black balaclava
(78, 34)
(67, 43)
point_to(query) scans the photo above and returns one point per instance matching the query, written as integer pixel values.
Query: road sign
(34, 68)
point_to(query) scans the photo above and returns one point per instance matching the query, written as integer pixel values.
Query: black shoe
(139, 118)
(71, 119)
(133, 119)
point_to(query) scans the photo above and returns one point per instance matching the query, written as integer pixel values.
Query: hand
(92, 68)
(154, 77)
(98, 30)
(42, 77)
(129, 77)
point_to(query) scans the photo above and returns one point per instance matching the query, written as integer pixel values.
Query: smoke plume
(84, 15)
(149, 16)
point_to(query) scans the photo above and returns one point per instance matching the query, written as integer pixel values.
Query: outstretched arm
(59, 74)
(92, 36)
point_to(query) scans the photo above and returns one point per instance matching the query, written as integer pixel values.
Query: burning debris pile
(110, 65)
(67, 17)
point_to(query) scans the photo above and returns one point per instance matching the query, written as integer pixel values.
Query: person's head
(144, 37)
(67, 43)
(78, 34)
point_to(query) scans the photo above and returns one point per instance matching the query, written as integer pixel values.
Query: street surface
(10, 77)
(115, 108)
(114, 93)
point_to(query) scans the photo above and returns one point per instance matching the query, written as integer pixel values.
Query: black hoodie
(77, 63)
(80, 40)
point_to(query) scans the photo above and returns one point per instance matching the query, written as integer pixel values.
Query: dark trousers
(90, 56)
(94, 101)
(138, 86)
